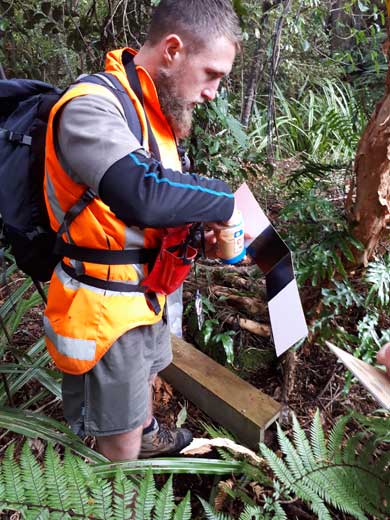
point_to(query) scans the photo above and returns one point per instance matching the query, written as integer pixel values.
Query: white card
(287, 319)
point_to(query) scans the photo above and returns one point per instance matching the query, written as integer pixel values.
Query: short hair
(196, 21)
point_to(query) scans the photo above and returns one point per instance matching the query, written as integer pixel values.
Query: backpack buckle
(19, 138)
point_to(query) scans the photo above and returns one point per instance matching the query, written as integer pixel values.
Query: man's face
(193, 80)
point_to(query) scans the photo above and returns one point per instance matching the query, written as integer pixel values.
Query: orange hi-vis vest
(82, 321)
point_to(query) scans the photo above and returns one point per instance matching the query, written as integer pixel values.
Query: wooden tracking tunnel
(226, 398)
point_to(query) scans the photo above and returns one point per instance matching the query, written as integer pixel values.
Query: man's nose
(210, 91)
(209, 94)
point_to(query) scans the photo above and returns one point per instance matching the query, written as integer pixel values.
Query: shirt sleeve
(93, 134)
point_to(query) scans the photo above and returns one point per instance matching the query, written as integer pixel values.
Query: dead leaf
(201, 446)
(222, 494)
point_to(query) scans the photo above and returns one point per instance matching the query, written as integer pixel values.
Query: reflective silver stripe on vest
(82, 349)
(53, 201)
(70, 283)
(135, 238)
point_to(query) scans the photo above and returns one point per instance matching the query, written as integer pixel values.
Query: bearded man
(114, 194)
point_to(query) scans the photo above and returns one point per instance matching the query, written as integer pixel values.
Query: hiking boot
(161, 441)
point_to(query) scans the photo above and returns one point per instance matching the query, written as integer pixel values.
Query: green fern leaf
(55, 479)
(164, 502)
(252, 513)
(317, 438)
(77, 484)
(293, 460)
(303, 445)
(32, 475)
(43, 514)
(146, 497)
(211, 514)
(279, 513)
(14, 492)
(278, 466)
(101, 492)
(124, 495)
(183, 510)
(335, 440)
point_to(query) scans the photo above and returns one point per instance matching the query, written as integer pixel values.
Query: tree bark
(371, 207)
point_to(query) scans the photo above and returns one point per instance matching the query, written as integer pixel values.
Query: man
(106, 334)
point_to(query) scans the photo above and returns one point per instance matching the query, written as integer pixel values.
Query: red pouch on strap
(173, 262)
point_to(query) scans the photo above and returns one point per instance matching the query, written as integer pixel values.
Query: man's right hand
(383, 357)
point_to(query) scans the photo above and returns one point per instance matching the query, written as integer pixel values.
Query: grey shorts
(113, 396)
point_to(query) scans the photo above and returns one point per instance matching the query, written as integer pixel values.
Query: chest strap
(108, 285)
(106, 256)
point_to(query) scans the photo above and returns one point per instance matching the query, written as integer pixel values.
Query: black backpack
(24, 111)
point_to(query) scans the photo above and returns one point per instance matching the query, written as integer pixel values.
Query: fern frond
(164, 502)
(14, 492)
(101, 495)
(183, 510)
(278, 466)
(293, 460)
(335, 440)
(55, 479)
(302, 444)
(44, 514)
(32, 476)
(279, 513)
(146, 497)
(77, 485)
(211, 514)
(317, 438)
(124, 495)
(252, 513)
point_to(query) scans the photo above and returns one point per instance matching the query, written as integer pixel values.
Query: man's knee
(121, 446)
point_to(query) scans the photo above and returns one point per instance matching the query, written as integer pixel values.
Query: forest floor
(304, 380)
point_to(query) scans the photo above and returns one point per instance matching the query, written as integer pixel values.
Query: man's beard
(177, 110)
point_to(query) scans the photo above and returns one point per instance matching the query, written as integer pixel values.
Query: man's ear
(173, 49)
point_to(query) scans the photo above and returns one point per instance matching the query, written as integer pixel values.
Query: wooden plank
(373, 379)
(226, 398)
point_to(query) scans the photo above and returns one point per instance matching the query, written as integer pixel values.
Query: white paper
(287, 319)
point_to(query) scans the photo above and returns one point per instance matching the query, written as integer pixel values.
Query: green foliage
(210, 338)
(324, 123)
(70, 487)
(218, 143)
(346, 476)
(361, 305)
(319, 237)
(378, 278)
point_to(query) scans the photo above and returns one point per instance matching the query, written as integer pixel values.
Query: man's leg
(124, 446)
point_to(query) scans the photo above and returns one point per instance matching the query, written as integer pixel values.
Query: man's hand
(383, 357)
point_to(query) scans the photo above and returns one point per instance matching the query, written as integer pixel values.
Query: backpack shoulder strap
(110, 81)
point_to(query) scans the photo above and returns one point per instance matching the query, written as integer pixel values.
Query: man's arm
(97, 148)
(140, 191)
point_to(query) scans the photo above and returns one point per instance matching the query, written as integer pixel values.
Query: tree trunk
(371, 207)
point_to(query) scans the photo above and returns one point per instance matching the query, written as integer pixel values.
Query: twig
(260, 329)
(271, 121)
